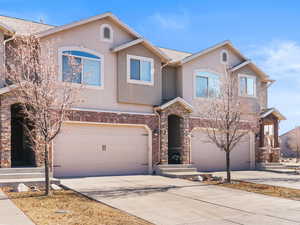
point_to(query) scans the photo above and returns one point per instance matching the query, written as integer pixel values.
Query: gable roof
(147, 44)
(23, 27)
(183, 102)
(290, 131)
(273, 111)
(249, 63)
(210, 49)
(88, 20)
(175, 55)
(6, 29)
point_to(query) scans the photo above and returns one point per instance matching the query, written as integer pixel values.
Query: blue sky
(265, 31)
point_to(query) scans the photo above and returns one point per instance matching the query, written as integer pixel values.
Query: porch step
(177, 170)
(175, 166)
(181, 174)
(21, 173)
(265, 166)
(22, 170)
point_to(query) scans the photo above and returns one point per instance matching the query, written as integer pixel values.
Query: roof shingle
(24, 27)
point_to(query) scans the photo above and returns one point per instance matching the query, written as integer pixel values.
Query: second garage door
(207, 157)
(92, 150)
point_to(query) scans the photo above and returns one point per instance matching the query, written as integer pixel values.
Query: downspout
(4, 51)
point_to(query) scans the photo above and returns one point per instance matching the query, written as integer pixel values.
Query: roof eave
(84, 21)
(7, 29)
(186, 105)
(212, 48)
(158, 52)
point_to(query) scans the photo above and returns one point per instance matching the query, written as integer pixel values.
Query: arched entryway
(22, 148)
(174, 139)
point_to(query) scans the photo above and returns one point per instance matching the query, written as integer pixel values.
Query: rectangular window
(207, 85)
(247, 85)
(140, 70)
(81, 68)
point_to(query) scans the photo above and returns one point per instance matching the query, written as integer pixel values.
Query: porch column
(185, 139)
(262, 134)
(5, 134)
(276, 142)
(164, 138)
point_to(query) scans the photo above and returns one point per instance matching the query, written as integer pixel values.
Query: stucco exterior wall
(169, 83)
(138, 93)
(88, 37)
(211, 62)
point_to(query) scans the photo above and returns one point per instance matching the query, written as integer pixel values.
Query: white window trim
(102, 33)
(195, 81)
(76, 48)
(221, 57)
(129, 80)
(239, 88)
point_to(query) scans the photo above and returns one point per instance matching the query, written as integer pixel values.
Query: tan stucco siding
(169, 83)
(211, 62)
(138, 93)
(88, 37)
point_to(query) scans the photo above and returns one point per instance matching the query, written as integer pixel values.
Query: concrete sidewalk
(11, 214)
(172, 201)
(264, 177)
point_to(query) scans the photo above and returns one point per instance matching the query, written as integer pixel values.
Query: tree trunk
(47, 171)
(228, 166)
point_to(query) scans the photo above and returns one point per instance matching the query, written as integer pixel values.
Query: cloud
(174, 21)
(280, 59)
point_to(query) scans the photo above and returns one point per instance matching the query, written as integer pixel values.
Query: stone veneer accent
(6, 100)
(262, 155)
(187, 124)
(178, 110)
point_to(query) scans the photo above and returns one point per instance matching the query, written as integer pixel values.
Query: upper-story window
(140, 70)
(207, 84)
(224, 57)
(247, 85)
(106, 33)
(82, 67)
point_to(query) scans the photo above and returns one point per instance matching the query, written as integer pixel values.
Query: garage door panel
(207, 157)
(87, 150)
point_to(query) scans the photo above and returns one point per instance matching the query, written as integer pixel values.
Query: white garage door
(90, 150)
(207, 157)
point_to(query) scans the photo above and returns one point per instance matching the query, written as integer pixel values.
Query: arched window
(224, 57)
(207, 84)
(106, 33)
(81, 67)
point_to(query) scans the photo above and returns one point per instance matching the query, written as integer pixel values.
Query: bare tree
(32, 69)
(223, 122)
(293, 142)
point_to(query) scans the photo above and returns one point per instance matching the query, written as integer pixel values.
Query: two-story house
(142, 104)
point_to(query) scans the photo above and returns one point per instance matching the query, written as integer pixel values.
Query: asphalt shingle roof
(24, 27)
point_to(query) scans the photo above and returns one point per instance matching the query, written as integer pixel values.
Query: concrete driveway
(168, 201)
(264, 177)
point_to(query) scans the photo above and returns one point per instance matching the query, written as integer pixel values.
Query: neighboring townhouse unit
(289, 142)
(143, 105)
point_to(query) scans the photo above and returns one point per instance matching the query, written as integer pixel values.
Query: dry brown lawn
(275, 191)
(80, 210)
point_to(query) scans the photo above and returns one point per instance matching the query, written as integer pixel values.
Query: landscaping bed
(66, 207)
(270, 190)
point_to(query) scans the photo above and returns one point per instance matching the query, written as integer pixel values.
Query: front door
(174, 140)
